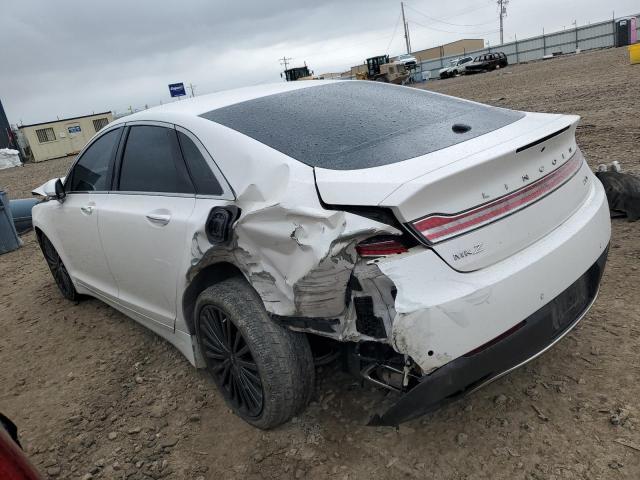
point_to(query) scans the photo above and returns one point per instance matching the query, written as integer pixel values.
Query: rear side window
(91, 173)
(201, 174)
(152, 163)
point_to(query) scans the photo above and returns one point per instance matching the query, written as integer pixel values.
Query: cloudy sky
(68, 58)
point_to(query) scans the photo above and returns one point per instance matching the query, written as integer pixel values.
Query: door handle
(158, 218)
(88, 209)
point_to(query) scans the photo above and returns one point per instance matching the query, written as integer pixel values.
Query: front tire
(264, 372)
(58, 270)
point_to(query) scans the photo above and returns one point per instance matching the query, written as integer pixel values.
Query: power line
(393, 35)
(450, 31)
(438, 20)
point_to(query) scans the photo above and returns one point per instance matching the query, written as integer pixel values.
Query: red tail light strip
(380, 248)
(440, 227)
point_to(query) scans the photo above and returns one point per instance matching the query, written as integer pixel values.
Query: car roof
(206, 103)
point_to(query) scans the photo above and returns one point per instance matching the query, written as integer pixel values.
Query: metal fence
(588, 37)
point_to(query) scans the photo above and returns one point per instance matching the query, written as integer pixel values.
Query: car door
(76, 218)
(143, 229)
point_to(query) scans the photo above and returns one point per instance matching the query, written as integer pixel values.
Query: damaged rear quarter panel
(296, 254)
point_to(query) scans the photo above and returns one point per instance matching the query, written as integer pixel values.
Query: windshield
(355, 124)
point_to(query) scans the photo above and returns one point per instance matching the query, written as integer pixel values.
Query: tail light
(380, 246)
(439, 227)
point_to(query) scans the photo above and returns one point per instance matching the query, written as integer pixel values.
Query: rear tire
(58, 270)
(264, 372)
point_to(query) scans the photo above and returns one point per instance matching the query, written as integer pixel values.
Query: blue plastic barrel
(9, 239)
(21, 211)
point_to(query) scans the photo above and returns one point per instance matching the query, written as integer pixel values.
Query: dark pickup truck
(487, 62)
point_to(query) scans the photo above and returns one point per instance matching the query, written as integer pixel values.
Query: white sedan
(440, 243)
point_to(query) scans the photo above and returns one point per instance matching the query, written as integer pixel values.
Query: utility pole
(285, 61)
(191, 87)
(407, 39)
(502, 5)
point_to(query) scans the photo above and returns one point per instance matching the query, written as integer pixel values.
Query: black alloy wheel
(230, 361)
(58, 270)
(263, 370)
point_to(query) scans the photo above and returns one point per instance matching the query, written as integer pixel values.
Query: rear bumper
(441, 314)
(533, 336)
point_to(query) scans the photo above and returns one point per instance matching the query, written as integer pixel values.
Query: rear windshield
(357, 124)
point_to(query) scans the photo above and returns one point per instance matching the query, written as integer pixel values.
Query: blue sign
(177, 89)
(74, 129)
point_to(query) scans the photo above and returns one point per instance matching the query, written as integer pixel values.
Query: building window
(98, 123)
(45, 135)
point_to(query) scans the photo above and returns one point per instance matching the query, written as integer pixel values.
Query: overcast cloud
(68, 58)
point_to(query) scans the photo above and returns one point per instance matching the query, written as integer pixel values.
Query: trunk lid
(508, 189)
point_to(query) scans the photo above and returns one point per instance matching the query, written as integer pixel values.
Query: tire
(443, 76)
(454, 73)
(58, 270)
(264, 372)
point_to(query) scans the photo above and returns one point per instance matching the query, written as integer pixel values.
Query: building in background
(61, 138)
(459, 47)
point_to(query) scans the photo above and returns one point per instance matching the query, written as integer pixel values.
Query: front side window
(201, 174)
(152, 163)
(91, 173)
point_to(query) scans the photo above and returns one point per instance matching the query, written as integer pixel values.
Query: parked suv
(440, 245)
(487, 62)
(455, 67)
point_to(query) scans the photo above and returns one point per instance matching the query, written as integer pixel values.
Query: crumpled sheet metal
(296, 254)
(438, 299)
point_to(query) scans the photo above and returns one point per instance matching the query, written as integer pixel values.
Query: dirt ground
(95, 395)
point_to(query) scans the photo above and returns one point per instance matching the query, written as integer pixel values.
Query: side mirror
(60, 193)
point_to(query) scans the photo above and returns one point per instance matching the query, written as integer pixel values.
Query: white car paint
(451, 313)
(407, 59)
(298, 255)
(457, 65)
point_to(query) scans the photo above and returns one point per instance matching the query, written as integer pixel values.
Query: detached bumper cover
(535, 335)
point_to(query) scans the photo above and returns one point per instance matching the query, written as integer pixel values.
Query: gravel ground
(97, 396)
